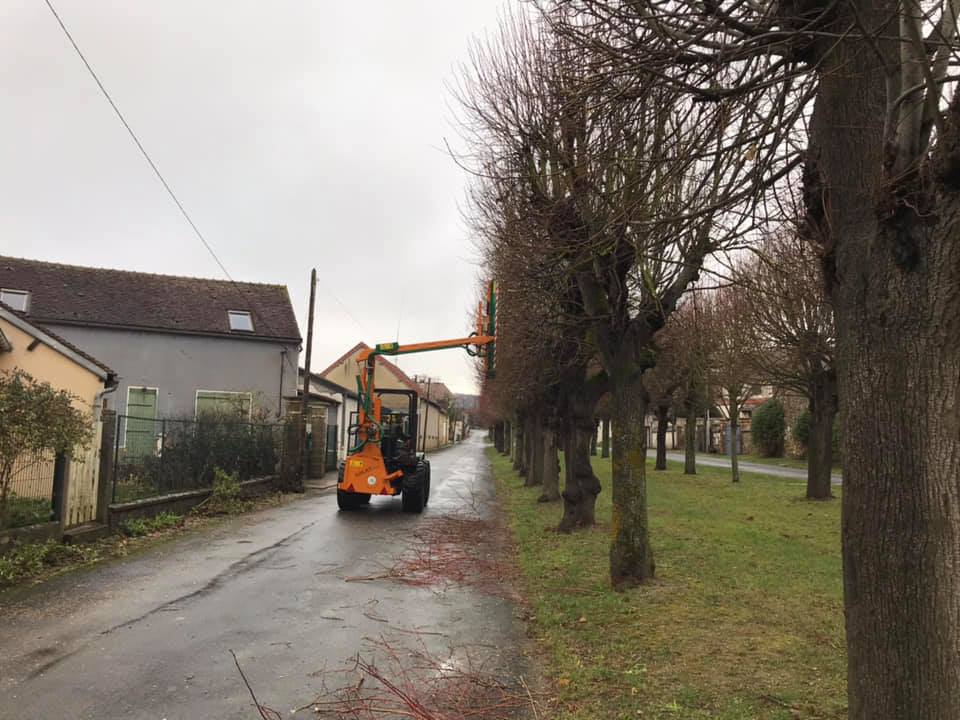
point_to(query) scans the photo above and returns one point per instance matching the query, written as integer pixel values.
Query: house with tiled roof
(433, 418)
(179, 346)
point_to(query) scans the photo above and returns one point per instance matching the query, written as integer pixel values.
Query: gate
(331, 459)
(82, 483)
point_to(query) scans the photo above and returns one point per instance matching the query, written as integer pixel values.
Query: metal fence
(31, 492)
(159, 457)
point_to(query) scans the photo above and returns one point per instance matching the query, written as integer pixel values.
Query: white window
(17, 299)
(240, 320)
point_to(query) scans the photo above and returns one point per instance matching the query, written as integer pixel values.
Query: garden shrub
(768, 428)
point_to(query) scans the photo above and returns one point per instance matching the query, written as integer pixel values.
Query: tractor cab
(383, 458)
(399, 428)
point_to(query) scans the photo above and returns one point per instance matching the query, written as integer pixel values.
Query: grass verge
(744, 620)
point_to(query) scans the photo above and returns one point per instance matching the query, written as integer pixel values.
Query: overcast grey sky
(295, 133)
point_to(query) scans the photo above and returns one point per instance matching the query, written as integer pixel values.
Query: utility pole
(426, 410)
(305, 399)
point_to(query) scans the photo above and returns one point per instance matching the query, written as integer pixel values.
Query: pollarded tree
(727, 324)
(624, 179)
(691, 349)
(37, 419)
(792, 333)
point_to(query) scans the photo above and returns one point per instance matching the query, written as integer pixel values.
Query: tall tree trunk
(631, 557)
(690, 440)
(535, 472)
(823, 411)
(528, 440)
(551, 466)
(605, 437)
(893, 275)
(580, 484)
(518, 449)
(661, 463)
(497, 437)
(593, 440)
(507, 437)
(733, 431)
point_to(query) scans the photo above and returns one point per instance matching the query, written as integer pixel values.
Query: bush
(801, 433)
(226, 496)
(193, 449)
(768, 428)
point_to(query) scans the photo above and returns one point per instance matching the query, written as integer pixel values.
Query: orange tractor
(383, 457)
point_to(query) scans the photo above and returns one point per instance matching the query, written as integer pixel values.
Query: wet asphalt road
(149, 636)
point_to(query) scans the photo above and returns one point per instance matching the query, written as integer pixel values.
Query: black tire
(413, 493)
(426, 483)
(351, 501)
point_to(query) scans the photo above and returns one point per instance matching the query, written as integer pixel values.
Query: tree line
(676, 198)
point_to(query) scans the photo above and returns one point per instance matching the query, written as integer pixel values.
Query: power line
(153, 165)
(136, 140)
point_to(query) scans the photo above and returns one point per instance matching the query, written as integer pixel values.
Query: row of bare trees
(626, 152)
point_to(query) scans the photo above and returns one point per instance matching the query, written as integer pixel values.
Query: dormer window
(240, 320)
(17, 299)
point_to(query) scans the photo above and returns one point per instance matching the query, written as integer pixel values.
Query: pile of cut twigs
(458, 549)
(402, 682)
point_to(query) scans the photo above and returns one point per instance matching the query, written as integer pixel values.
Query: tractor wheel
(426, 483)
(413, 498)
(351, 501)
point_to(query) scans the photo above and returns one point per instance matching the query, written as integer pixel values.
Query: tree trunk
(593, 440)
(497, 437)
(631, 557)
(661, 463)
(518, 449)
(605, 438)
(690, 441)
(535, 471)
(733, 428)
(507, 437)
(551, 466)
(527, 448)
(893, 276)
(823, 410)
(580, 486)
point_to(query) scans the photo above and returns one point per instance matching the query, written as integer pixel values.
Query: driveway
(724, 462)
(149, 636)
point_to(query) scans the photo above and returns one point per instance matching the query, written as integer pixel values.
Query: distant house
(438, 426)
(433, 421)
(179, 346)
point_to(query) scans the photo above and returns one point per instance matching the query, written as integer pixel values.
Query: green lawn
(743, 622)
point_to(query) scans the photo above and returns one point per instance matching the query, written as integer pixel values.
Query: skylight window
(17, 299)
(240, 320)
